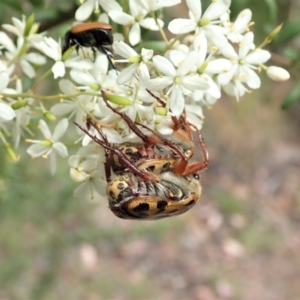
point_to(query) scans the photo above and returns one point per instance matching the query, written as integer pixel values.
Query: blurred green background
(241, 241)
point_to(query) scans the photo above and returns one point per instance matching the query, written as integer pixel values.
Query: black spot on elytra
(150, 168)
(190, 203)
(141, 207)
(197, 176)
(112, 196)
(128, 151)
(161, 204)
(166, 167)
(120, 186)
(125, 193)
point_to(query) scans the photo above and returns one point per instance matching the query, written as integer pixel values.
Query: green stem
(178, 37)
(40, 79)
(53, 97)
(160, 29)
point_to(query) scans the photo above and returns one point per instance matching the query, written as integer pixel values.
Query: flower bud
(202, 68)
(95, 86)
(278, 74)
(49, 116)
(161, 111)
(11, 152)
(135, 59)
(116, 99)
(271, 36)
(19, 104)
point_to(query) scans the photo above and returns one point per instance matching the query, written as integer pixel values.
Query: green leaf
(15, 4)
(293, 97)
(42, 14)
(157, 46)
(36, 3)
(272, 9)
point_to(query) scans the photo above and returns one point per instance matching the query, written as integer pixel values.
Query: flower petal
(187, 64)
(181, 26)
(258, 57)
(6, 112)
(194, 82)
(195, 8)
(157, 84)
(61, 149)
(164, 65)
(120, 17)
(36, 150)
(58, 69)
(84, 11)
(127, 74)
(43, 126)
(124, 50)
(216, 9)
(150, 24)
(252, 80)
(4, 80)
(60, 129)
(177, 101)
(135, 34)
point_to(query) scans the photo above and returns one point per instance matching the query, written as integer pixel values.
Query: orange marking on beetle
(89, 26)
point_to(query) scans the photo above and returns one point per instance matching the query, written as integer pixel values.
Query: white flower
(52, 48)
(208, 23)
(207, 67)
(135, 20)
(239, 26)
(161, 124)
(87, 167)
(194, 115)
(277, 73)
(19, 26)
(6, 112)
(22, 114)
(84, 163)
(51, 145)
(67, 107)
(95, 183)
(153, 5)
(243, 68)
(87, 8)
(139, 63)
(179, 82)
(25, 60)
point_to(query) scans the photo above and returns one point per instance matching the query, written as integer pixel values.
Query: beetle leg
(107, 166)
(108, 54)
(146, 139)
(171, 145)
(94, 53)
(175, 120)
(142, 174)
(198, 166)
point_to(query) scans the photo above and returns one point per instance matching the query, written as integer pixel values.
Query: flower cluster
(208, 55)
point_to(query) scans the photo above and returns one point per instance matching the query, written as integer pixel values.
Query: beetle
(158, 153)
(91, 34)
(134, 194)
(154, 156)
(129, 197)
